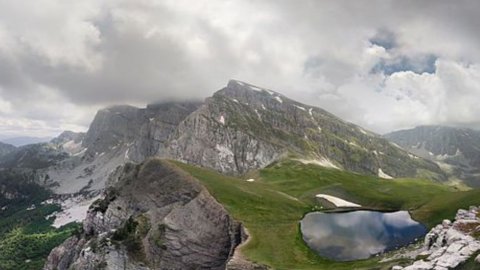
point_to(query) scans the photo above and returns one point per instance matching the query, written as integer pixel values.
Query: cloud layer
(382, 64)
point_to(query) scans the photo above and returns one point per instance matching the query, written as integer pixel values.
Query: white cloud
(81, 55)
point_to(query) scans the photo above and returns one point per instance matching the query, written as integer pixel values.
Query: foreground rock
(448, 245)
(154, 217)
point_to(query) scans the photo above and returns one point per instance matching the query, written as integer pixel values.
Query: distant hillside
(21, 141)
(5, 149)
(456, 150)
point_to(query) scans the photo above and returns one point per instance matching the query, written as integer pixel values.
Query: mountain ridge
(456, 149)
(240, 128)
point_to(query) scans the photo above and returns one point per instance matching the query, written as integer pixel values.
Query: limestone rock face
(448, 245)
(243, 127)
(155, 216)
(142, 131)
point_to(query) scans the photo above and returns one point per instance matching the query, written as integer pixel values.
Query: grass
(272, 206)
(26, 237)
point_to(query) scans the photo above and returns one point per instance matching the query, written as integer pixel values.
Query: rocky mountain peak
(67, 136)
(250, 94)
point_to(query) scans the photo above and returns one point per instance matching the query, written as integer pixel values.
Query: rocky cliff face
(117, 135)
(240, 128)
(154, 216)
(142, 131)
(244, 127)
(456, 150)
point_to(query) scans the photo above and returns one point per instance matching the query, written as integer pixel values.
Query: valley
(182, 185)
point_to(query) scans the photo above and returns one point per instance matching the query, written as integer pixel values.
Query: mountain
(6, 149)
(243, 127)
(33, 156)
(25, 140)
(456, 150)
(146, 222)
(42, 155)
(239, 129)
(155, 214)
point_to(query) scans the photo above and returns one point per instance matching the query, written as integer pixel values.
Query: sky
(384, 65)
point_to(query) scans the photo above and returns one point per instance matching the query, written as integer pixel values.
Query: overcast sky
(384, 65)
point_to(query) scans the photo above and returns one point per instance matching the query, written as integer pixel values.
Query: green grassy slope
(26, 237)
(272, 206)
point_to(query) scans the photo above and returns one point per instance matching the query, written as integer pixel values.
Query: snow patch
(354, 144)
(263, 107)
(412, 156)
(235, 100)
(383, 175)
(251, 180)
(300, 107)
(80, 153)
(258, 114)
(277, 98)
(396, 145)
(254, 88)
(240, 83)
(222, 119)
(72, 148)
(324, 162)
(73, 210)
(337, 201)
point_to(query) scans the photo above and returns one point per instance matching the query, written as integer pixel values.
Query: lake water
(359, 234)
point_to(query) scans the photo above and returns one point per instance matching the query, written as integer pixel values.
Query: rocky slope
(154, 216)
(33, 156)
(6, 149)
(448, 245)
(456, 150)
(240, 128)
(244, 127)
(117, 135)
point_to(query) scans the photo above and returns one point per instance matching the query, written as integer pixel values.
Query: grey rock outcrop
(448, 245)
(155, 216)
(244, 127)
(143, 131)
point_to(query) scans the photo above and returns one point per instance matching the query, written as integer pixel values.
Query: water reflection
(359, 234)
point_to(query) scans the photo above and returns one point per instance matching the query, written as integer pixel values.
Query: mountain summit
(240, 128)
